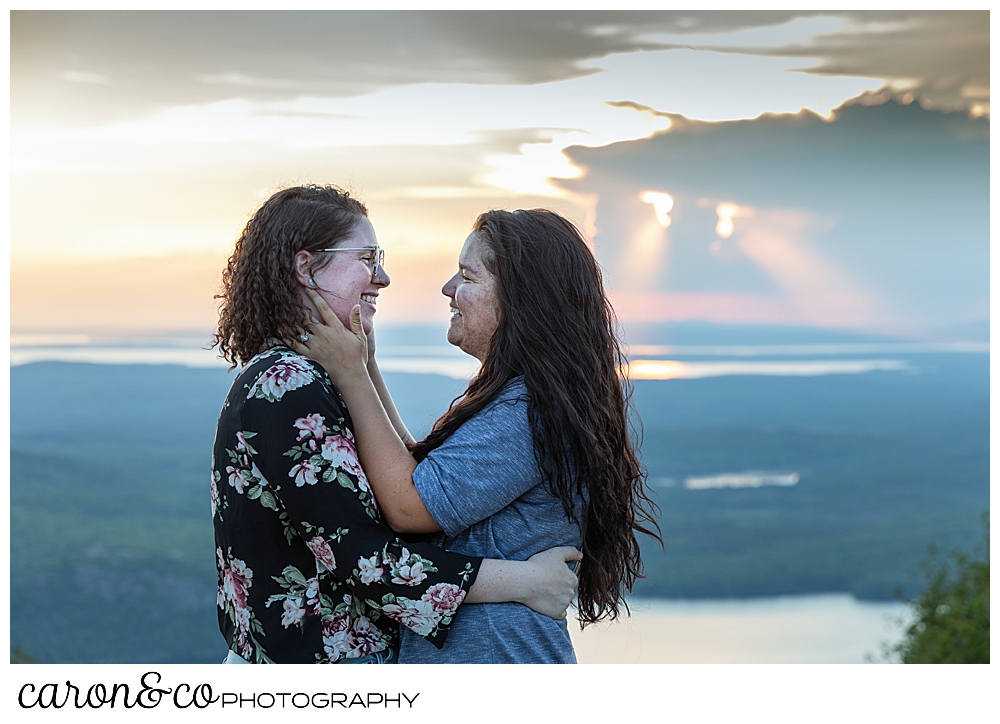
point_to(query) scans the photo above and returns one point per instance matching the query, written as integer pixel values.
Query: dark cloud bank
(900, 195)
(114, 62)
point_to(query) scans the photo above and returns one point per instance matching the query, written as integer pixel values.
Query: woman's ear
(303, 265)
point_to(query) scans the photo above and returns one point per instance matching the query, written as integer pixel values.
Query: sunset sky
(703, 152)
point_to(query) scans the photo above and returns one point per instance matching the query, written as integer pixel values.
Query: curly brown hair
(558, 329)
(261, 300)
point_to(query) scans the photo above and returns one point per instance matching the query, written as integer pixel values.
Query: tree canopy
(952, 616)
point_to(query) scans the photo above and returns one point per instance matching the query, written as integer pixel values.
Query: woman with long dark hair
(536, 452)
(308, 571)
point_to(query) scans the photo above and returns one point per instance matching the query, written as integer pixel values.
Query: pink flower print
(371, 570)
(324, 556)
(293, 612)
(363, 485)
(337, 622)
(243, 449)
(312, 597)
(311, 425)
(418, 616)
(444, 597)
(338, 644)
(409, 574)
(366, 639)
(221, 597)
(243, 618)
(243, 632)
(285, 375)
(236, 581)
(214, 494)
(338, 638)
(257, 475)
(304, 473)
(341, 451)
(236, 478)
(312, 587)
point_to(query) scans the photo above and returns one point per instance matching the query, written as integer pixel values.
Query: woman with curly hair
(308, 570)
(537, 452)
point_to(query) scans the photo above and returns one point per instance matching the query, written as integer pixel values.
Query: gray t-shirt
(484, 489)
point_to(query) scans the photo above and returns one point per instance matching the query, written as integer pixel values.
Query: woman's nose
(449, 286)
(381, 278)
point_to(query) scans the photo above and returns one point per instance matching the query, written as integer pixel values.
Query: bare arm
(387, 404)
(385, 459)
(543, 583)
(383, 393)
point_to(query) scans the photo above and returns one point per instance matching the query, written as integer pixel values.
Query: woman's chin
(367, 315)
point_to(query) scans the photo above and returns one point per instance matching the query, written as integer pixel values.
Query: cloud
(940, 56)
(175, 58)
(320, 78)
(77, 76)
(348, 52)
(878, 219)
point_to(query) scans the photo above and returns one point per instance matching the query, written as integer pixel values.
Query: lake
(818, 629)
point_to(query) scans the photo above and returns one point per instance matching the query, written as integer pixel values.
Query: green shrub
(952, 616)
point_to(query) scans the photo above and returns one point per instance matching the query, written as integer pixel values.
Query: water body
(450, 362)
(817, 629)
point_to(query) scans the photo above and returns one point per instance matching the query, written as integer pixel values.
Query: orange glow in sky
(655, 369)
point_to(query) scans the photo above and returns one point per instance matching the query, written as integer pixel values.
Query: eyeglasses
(377, 258)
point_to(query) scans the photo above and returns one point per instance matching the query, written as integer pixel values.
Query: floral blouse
(308, 571)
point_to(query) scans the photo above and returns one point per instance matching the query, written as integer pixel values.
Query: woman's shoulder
(271, 374)
(269, 356)
(515, 391)
(509, 407)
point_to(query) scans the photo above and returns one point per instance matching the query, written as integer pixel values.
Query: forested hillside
(111, 541)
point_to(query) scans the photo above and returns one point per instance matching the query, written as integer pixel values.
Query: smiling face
(475, 308)
(347, 279)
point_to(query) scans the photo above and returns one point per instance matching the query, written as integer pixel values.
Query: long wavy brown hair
(261, 303)
(557, 329)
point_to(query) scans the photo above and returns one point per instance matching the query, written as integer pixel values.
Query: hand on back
(556, 583)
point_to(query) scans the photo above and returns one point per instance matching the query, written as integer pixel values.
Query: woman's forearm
(390, 407)
(544, 583)
(387, 463)
(500, 581)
